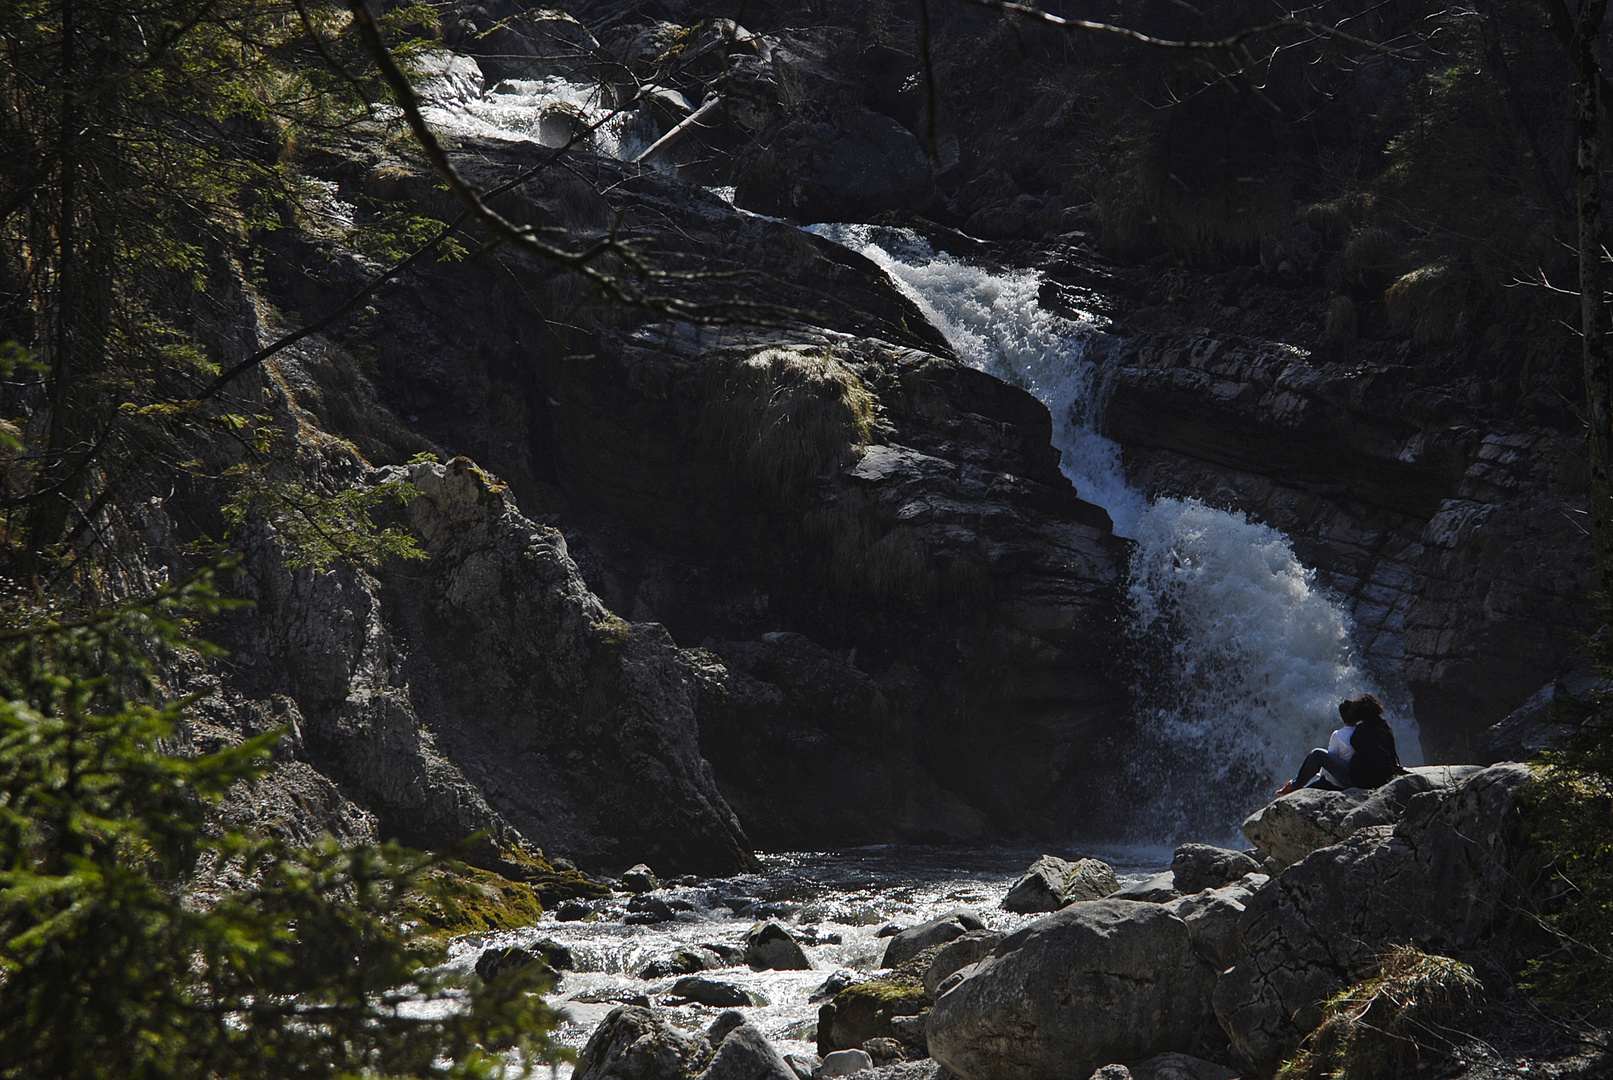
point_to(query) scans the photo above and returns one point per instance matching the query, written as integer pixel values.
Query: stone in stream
(1159, 889)
(573, 911)
(1052, 882)
(912, 941)
(714, 992)
(867, 1011)
(683, 962)
(845, 1062)
(644, 909)
(745, 1054)
(545, 952)
(635, 1043)
(842, 978)
(770, 946)
(1098, 982)
(640, 879)
(1204, 866)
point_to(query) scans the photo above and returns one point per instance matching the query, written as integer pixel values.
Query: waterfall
(1241, 657)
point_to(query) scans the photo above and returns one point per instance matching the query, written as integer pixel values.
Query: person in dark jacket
(1360, 754)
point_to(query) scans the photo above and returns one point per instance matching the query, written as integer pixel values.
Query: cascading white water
(1242, 657)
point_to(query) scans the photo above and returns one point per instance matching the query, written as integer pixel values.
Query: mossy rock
(866, 1011)
(456, 899)
(552, 885)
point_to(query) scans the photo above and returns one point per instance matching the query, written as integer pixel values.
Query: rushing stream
(835, 903)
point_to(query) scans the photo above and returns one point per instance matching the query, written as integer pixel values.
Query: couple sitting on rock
(1360, 754)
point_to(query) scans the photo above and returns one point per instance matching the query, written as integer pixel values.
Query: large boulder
(635, 1043)
(958, 954)
(915, 939)
(745, 1054)
(770, 947)
(1105, 981)
(849, 165)
(1052, 882)
(867, 1011)
(1204, 866)
(1214, 919)
(1444, 876)
(1290, 828)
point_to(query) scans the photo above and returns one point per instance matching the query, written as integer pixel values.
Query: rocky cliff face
(794, 537)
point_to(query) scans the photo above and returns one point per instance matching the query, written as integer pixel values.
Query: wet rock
(884, 1051)
(1094, 983)
(959, 953)
(640, 879)
(842, 978)
(1051, 883)
(713, 992)
(1443, 876)
(573, 911)
(1204, 866)
(521, 43)
(645, 909)
(495, 962)
(1158, 889)
(731, 954)
(635, 1043)
(770, 946)
(683, 962)
(1289, 828)
(846, 1062)
(909, 943)
(719, 1028)
(889, 930)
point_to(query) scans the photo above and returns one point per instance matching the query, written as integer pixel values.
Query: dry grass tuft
(786, 417)
(1385, 1025)
(1432, 301)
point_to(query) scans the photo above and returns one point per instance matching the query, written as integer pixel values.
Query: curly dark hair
(1360, 710)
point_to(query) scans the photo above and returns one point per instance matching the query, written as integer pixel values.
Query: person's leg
(1337, 770)
(1307, 772)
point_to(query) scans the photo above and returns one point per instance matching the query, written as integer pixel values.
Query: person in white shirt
(1334, 761)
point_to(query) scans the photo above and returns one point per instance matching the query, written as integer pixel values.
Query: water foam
(1241, 657)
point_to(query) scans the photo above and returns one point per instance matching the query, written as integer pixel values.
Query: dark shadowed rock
(713, 992)
(1204, 866)
(914, 940)
(635, 1043)
(1180, 1067)
(866, 1011)
(770, 946)
(640, 879)
(1094, 983)
(1443, 876)
(960, 952)
(683, 962)
(849, 166)
(745, 1054)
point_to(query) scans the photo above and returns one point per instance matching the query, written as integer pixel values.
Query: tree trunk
(1594, 346)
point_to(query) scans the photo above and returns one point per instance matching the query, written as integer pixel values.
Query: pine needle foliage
(115, 963)
(1573, 790)
(1390, 1022)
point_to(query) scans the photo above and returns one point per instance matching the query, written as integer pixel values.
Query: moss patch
(550, 884)
(865, 1011)
(454, 900)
